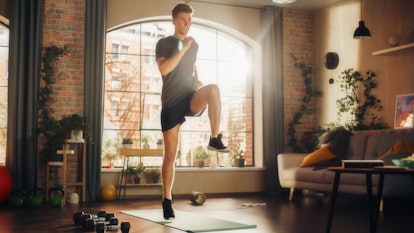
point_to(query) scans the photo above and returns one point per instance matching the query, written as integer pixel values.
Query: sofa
(370, 144)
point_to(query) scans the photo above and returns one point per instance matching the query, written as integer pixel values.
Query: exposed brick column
(63, 24)
(298, 41)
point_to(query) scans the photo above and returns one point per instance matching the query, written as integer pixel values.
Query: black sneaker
(168, 211)
(217, 145)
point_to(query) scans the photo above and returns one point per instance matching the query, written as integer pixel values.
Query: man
(182, 95)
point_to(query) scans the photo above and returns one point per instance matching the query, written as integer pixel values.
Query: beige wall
(334, 27)
(206, 180)
(244, 20)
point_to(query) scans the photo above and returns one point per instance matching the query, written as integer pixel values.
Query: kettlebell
(54, 199)
(17, 198)
(35, 197)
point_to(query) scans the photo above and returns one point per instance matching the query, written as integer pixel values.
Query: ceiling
(299, 4)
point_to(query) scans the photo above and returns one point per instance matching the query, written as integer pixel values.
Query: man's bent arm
(166, 65)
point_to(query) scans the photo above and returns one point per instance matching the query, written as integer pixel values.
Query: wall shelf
(395, 49)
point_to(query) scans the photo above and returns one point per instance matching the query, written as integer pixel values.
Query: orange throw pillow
(320, 155)
(401, 147)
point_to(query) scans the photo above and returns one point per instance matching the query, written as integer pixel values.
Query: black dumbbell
(124, 227)
(96, 218)
(91, 223)
(80, 217)
(77, 217)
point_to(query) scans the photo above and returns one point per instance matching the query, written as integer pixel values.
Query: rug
(189, 222)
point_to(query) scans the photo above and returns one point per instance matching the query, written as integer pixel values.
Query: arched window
(4, 78)
(132, 101)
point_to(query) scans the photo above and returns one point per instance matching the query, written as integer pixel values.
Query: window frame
(256, 73)
(5, 22)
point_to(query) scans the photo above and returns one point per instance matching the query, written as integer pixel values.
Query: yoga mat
(188, 222)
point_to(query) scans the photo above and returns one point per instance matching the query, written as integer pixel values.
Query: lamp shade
(362, 32)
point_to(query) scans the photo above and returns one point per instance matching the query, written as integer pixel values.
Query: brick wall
(298, 41)
(63, 23)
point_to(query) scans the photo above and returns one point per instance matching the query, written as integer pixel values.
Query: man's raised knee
(214, 89)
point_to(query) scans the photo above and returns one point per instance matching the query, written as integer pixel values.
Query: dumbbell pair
(101, 221)
(124, 227)
(90, 223)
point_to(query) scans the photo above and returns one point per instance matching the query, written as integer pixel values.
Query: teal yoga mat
(189, 222)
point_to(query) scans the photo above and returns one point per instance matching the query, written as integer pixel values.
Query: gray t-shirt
(179, 83)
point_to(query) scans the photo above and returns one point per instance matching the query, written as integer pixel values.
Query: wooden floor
(274, 214)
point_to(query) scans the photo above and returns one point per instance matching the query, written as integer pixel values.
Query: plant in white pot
(145, 144)
(127, 142)
(74, 126)
(160, 143)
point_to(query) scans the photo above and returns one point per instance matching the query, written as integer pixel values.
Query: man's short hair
(181, 7)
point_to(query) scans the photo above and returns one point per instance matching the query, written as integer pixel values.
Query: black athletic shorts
(176, 115)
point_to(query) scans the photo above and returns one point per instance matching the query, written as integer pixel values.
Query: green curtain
(95, 34)
(272, 94)
(24, 73)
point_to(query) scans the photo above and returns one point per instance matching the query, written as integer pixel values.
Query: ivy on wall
(359, 102)
(359, 105)
(50, 58)
(53, 131)
(305, 108)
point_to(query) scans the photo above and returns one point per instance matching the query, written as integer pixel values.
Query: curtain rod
(224, 4)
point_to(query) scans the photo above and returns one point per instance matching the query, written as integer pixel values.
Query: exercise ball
(6, 184)
(108, 192)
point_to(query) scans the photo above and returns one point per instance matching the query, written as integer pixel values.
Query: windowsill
(196, 169)
(218, 169)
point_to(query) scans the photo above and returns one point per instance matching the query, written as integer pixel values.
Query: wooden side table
(374, 202)
(71, 147)
(127, 154)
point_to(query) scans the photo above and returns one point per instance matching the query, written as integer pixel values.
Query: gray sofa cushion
(357, 146)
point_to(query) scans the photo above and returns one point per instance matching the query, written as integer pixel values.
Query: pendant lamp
(362, 32)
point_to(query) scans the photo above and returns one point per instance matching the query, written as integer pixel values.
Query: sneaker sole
(226, 150)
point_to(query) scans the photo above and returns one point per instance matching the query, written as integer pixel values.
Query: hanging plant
(304, 108)
(47, 125)
(54, 131)
(359, 102)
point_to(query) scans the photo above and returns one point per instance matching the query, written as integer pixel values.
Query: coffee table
(374, 202)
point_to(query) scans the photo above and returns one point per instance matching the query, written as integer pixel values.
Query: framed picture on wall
(404, 111)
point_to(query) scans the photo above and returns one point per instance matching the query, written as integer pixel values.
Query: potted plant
(73, 127)
(56, 132)
(201, 155)
(135, 171)
(153, 174)
(127, 142)
(160, 143)
(238, 159)
(145, 141)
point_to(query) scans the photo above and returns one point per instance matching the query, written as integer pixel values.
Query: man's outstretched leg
(210, 95)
